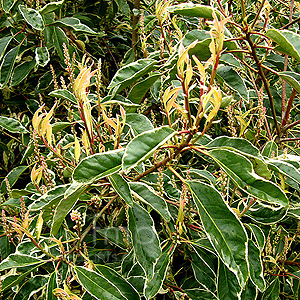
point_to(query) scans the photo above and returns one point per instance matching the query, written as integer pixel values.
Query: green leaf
(18, 261)
(64, 94)
(51, 286)
(12, 125)
(4, 42)
(97, 166)
(138, 123)
(192, 10)
(42, 56)
(75, 24)
(13, 280)
(144, 238)
(7, 5)
(60, 38)
(228, 285)
(285, 168)
(259, 236)
(270, 149)
(292, 78)
(7, 66)
(123, 285)
(153, 286)
(12, 177)
(21, 72)
(144, 145)
(31, 287)
(245, 148)
(123, 7)
(132, 72)
(147, 195)
(224, 230)
(240, 170)
(115, 235)
(121, 187)
(273, 290)
(65, 205)
(249, 291)
(50, 7)
(232, 79)
(32, 17)
(288, 41)
(98, 286)
(139, 90)
(256, 266)
(118, 99)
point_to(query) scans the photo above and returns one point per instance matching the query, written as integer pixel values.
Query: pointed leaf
(153, 286)
(7, 5)
(224, 230)
(138, 123)
(288, 42)
(42, 56)
(228, 285)
(132, 72)
(21, 72)
(240, 170)
(144, 145)
(75, 24)
(98, 285)
(114, 235)
(147, 195)
(60, 38)
(138, 91)
(123, 285)
(32, 17)
(273, 290)
(292, 78)
(4, 42)
(12, 177)
(97, 166)
(51, 286)
(64, 94)
(144, 238)
(192, 10)
(50, 7)
(7, 66)
(65, 205)
(18, 261)
(256, 266)
(121, 187)
(12, 125)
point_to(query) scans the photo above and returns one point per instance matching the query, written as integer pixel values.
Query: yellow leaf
(39, 226)
(85, 142)
(188, 74)
(77, 149)
(201, 69)
(36, 120)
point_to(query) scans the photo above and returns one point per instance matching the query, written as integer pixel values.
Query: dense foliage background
(150, 149)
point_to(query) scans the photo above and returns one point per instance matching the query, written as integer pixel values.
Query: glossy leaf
(12, 125)
(32, 17)
(114, 235)
(123, 7)
(7, 5)
(21, 72)
(97, 285)
(18, 261)
(97, 166)
(4, 42)
(144, 238)
(121, 187)
(224, 230)
(258, 235)
(192, 10)
(64, 94)
(31, 287)
(273, 290)
(138, 123)
(138, 92)
(228, 285)
(59, 38)
(51, 286)
(123, 285)
(42, 56)
(144, 145)
(160, 271)
(147, 195)
(256, 266)
(75, 24)
(249, 291)
(7, 65)
(65, 205)
(231, 78)
(243, 175)
(287, 41)
(292, 78)
(132, 72)
(270, 149)
(50, 7)
(12, 177)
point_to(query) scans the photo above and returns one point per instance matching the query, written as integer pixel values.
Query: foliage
(156, 154)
